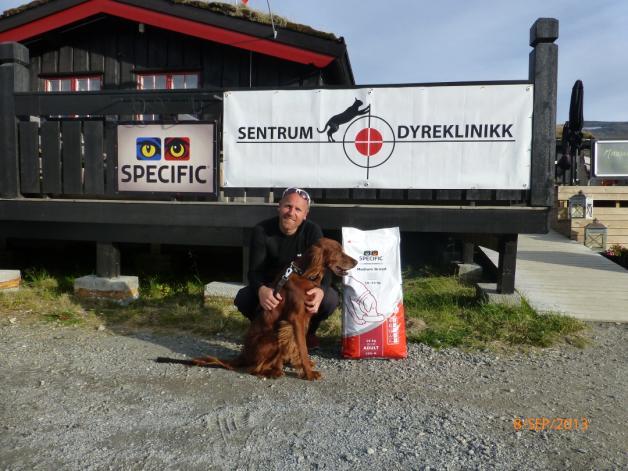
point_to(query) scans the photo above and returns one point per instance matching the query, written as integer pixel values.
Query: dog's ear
(331, 248)
(314, 260)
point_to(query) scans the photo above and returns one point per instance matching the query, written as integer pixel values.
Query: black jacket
(272, 250)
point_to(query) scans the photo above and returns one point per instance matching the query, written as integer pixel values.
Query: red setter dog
(277, 337)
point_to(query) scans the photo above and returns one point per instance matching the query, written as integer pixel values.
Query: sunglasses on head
(302, 193)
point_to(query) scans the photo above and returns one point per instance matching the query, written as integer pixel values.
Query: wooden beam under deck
(216, 215)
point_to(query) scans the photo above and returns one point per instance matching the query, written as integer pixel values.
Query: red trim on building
(163, 21)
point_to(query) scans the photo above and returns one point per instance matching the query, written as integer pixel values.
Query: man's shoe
(312, 342)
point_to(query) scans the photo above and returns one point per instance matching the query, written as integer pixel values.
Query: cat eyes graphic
(148, 148)
(175, 148)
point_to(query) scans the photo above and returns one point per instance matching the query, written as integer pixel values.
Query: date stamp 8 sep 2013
(538, 424)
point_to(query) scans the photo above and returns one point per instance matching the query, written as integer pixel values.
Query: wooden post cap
(11, 52)
(544, 30)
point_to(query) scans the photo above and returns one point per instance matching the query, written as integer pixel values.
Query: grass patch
(44, 298)
(440, 311)
(64, 317)
(164, 304)
(173, 304)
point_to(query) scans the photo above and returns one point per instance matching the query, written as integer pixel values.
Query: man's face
(292, 210)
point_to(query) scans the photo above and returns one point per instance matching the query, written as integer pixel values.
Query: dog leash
(292, 268)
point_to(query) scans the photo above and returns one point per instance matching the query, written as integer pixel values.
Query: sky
(418, 41)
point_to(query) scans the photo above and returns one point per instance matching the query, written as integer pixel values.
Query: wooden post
(468, 249)
(5, 255)
(107, 260)
(14, 77)
(507, 263)
(246, 254)
(543, 70)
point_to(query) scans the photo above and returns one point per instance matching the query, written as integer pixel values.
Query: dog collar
(292, 268)
(299, 271)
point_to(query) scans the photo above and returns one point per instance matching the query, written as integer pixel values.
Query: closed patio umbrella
(576, 121)
(563, 164)
(576, 116)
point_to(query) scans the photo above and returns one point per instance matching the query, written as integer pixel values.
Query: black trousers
(247, 303)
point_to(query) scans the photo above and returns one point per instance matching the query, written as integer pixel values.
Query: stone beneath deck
(469, 272)
(10, 280)
(488, 292)
(221, 289)
(121, 289)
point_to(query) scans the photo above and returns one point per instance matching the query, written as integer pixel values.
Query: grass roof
(234, 11)
(21, 8)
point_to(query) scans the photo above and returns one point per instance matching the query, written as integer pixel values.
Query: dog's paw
(276, 374)
(270, 374)
(314, 375)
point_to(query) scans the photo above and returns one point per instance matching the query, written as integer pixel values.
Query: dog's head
(328, 253)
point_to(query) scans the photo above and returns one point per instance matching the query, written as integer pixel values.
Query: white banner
(445, 137)
(177, 158)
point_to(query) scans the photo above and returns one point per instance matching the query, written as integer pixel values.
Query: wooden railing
(62, 156)
(47, 156)
(610, 207)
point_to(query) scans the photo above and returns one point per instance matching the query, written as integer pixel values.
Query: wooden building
(71, 70)
(126, 45)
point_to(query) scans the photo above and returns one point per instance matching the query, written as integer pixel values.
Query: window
(85, 83)
(73, 84)
(166, 81)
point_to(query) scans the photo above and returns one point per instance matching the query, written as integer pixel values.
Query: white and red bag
(373, 324)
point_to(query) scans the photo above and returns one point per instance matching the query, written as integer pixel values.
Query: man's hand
(267, 299)
(312, 303)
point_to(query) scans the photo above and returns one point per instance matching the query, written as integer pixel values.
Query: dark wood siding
(51, 157)
(117, 50)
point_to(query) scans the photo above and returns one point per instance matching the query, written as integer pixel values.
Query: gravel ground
(73, 398)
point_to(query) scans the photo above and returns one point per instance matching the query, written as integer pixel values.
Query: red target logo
(369, 141)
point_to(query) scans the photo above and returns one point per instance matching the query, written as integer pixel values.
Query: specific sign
(610, 158)
(174, 158)
(447, 137)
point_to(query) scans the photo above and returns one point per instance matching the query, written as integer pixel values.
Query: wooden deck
(557, 274)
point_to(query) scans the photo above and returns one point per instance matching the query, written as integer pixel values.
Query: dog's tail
(204, 361)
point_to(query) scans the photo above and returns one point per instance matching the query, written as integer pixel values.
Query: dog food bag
(373, 321)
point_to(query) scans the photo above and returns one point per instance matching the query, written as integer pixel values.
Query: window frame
(73, 82)
(169, 80)
(169, 76)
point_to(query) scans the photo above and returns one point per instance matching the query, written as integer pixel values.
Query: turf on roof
(240, 11)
